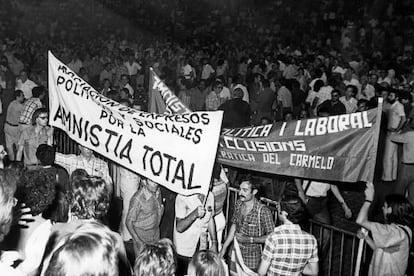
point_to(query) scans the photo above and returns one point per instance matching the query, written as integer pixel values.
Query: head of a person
(335, 95)
(46, 154)
(291, 209)
(362, 105)
(150, 185)
(248, 189)
(107, 83)
(85, 152)
(19, 96)
(218, 87)
(38, 190)
(124, 93)
(206, 263)
(303, 114)
(318, 85)
(23, 75)
(40, 117)
(91, 250)
(265, 121)
(78, 174)
(202, 85)
(266, 83)
(238, 93)
(38, 92)
(323, 112)
(397, 209)
(8, 180)
(89, 198)
(157, 259)
(124, 79)
(351, 91)
(288, 116)
(392, 96)
(373, 79)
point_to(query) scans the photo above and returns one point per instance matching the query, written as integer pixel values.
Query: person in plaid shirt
(252, 223)
(87, 161)
(289, 250)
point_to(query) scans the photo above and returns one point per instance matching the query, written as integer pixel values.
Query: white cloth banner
(176, 151)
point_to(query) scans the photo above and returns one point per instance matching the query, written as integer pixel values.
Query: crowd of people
(73, 213)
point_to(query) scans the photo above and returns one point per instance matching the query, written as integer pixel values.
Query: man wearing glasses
(38, 133)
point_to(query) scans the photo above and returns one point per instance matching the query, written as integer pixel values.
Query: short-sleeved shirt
(392, 249)
(30, 140)
(288, 249)
(407, 139)
(186, 242)
(350, 105)
(249, 226)
(394, 114)
(13, 112)
(29, 108)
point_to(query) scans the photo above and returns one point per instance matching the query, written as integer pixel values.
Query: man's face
(23, 76)
(362, 107)
(391, 98)
(218, 88)
(246, 193)
(349, 92)
(335, 97)
(202, 85)
(20, 98)
(42, 119)
(151, 185)
(373, 79)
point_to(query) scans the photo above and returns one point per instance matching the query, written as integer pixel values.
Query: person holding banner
(193, 219)
(144, 215)
(252, 223)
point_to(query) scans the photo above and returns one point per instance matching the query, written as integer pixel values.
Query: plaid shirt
(288, 249)
(29, 108)
(94, 167)
(249, 226)
(213, 101)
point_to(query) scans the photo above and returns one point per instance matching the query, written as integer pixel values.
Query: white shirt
(225, 94)
(350, 105)
(186, 242)
(132, 68)
(369, 91)
(316, 188)
(26, 87)
(207, 71)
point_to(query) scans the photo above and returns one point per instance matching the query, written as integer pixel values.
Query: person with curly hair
(156, 259)
(90, 199)
(207, 263)
(37, 189)
(36, 243)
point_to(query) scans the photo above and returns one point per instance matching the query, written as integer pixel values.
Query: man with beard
(396, 120)
(252, 223)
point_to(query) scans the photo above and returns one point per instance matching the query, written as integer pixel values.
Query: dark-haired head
(397, 209)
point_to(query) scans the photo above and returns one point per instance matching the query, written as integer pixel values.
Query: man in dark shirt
(334, 106)
(236, 111)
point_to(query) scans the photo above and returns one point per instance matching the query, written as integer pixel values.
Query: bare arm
(311, 269)
(338, 195)
(19, 153)
(362, 218)
(301, 192)
(229, 240)
(213, 234)
(184, 223)
(263, 267)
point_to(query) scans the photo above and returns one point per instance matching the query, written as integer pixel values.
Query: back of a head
(38, 190)
(90, 198)
(45, 154)
(206, 263)
(37, 91)
(91, 250)
(238, 93)
(156, 259)
(7, 189)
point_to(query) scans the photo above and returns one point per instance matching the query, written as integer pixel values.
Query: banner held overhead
(176, 151)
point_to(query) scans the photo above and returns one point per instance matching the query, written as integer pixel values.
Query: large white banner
(177, 151)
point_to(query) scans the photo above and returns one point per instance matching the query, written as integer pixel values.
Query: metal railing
(346, 260)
